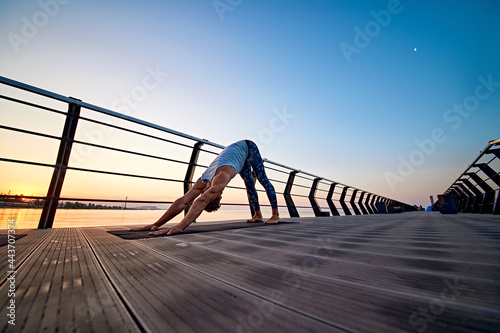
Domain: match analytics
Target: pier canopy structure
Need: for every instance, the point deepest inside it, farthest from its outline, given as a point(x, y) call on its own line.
point(82, 128)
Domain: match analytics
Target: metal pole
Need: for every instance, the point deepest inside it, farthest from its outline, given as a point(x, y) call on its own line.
point(360, 202)
point(292, 210)
point(495, 177)
point(353, 204)
point(342, 201)
point(367, 203)
point(489, 194)
point(372, 204)
point(55, 187)
point(470, 198)
point(188, 180)
point(316, 208)
point(478, 198)
point(333, 209)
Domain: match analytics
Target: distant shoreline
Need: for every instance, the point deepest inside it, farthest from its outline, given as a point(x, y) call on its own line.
point(26, 207)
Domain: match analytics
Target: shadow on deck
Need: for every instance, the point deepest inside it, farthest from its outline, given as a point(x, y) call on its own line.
point(411, 272)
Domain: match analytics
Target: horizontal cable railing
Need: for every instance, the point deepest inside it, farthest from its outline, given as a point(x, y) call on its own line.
point(477, 189)
point(291, 184)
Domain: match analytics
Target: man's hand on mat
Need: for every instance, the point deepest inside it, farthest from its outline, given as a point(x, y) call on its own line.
point(148, 227)
point(168, 231)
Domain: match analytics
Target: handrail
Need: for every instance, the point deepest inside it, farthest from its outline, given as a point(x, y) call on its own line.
point(89, 106)
point(481, 154)
point(473, 193)
point(67, 139)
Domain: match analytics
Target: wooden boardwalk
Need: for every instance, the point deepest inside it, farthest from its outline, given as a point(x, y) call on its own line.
point(411, 272)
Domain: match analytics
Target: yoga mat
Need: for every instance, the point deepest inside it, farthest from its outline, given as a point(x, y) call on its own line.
point(197, 228)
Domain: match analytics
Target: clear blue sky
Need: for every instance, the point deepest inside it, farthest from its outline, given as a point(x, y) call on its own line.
point(342, 89)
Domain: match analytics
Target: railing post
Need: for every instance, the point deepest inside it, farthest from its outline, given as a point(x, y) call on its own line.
point(478, 198)
point(188, 180)
point(495, 177)
point(496, 152)
point(457, 198)
point(372, 204)
point(489, 194)
point(492, 174)
point(469, 202)
point(496, 211)
point(329, 197)
point(342, 201)
point(367, 203)
point(464, 199)
point(353, 203)
point(460, 197)
point(292, 210)
point(360, 202)
point(55, 187)
point(316, 208)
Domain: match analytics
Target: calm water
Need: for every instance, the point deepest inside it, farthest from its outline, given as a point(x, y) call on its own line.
point(26, 218)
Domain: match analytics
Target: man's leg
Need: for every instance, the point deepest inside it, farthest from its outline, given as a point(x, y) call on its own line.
point(246, 174)
point(258, 166)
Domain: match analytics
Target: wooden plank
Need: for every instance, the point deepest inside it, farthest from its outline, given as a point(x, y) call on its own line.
point(169, 296)
point(61, 288)
point(23, 246)
point(376, 276)
point(28, 283)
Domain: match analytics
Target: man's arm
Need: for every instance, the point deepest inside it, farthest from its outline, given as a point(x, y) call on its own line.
point(218, 184)
point(177, 206)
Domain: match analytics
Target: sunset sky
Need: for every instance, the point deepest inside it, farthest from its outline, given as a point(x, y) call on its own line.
point(394, 97)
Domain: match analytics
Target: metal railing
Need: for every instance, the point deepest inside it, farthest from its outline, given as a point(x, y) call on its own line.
point(321, 195)
point(477, 188)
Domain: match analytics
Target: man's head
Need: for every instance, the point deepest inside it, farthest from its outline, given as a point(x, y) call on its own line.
point(213, 205)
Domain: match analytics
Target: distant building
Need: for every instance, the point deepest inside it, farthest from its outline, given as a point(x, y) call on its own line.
point(146, 208)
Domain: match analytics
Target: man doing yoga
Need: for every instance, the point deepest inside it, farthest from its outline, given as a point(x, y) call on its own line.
point(240, 157)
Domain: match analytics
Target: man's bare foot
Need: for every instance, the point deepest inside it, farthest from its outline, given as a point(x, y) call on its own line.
point(256, 218)
point(273, 220)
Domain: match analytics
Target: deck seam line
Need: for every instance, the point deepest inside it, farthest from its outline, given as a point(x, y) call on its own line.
point(140, 326)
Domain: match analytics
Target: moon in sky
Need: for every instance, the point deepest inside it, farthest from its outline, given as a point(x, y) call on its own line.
point(415, 49)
